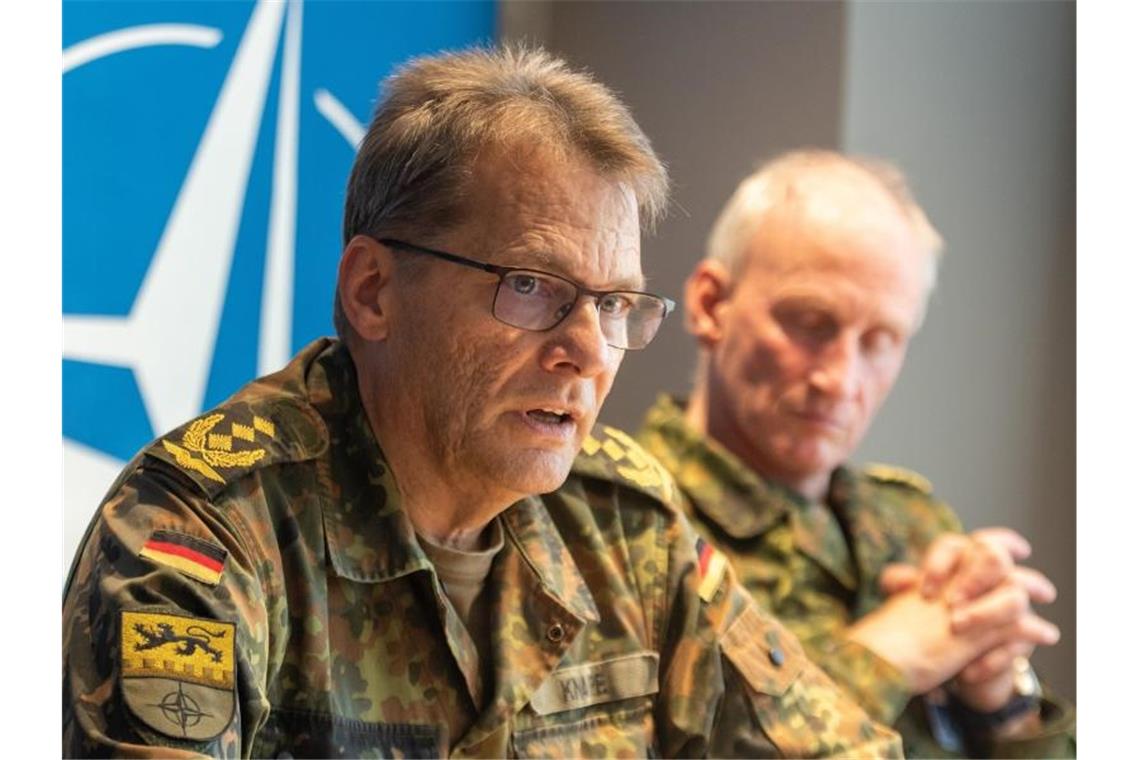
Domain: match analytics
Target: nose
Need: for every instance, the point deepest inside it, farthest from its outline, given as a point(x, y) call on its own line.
point(577, 344)
point(835, 373)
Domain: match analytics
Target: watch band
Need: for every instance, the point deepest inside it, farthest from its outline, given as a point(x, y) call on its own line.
point(979, 727)
point(978, 721)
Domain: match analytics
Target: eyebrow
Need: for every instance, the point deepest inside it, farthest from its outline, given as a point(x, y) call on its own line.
point(545, 261)
point(814, 301)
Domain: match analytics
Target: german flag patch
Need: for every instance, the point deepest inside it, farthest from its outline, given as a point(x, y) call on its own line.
point(198, 559)
point(711, 565)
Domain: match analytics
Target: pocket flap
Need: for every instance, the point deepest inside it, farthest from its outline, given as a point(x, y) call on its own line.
point(766, 654)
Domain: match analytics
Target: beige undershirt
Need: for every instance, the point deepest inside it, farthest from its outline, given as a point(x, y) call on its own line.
point(464, 575)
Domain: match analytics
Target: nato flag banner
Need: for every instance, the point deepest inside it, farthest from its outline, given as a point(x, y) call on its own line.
point(205, 151)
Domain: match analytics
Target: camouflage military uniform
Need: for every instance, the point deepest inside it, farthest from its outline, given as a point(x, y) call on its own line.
point(251, 586)
point(816, 567)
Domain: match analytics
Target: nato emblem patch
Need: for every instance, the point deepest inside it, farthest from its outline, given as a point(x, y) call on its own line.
point(177, 673)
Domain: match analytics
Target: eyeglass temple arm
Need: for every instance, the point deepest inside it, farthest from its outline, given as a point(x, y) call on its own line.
point(391, 243)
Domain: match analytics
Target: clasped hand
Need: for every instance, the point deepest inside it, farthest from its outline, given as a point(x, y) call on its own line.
point(963, 616)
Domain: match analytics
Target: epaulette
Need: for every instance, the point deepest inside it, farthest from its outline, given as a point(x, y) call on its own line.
point(225, 444)
point(611, 455)
point(890, 474)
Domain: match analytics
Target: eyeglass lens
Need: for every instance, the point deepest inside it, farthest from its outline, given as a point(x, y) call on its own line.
point(536, 301)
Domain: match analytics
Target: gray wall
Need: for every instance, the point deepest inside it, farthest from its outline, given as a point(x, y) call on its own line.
point(975, 101)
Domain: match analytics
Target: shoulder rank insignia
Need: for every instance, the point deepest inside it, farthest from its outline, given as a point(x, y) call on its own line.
point(885, 473)
point(199, 559)
point(711, 564)
point(177, 673)
point(609, 451)
point(204, 451)
point(223, 445)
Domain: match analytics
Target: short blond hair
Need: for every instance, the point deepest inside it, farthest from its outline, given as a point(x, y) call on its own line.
point(771, 184)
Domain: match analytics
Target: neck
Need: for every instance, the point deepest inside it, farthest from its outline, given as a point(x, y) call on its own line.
point(723, 429)
point(442, 505)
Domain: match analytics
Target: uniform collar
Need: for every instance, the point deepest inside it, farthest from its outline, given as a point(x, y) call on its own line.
point(744, 506)
point(866, 509)
point(719, 485)
point(367, 532)
point(534, 534)
point(369, 536)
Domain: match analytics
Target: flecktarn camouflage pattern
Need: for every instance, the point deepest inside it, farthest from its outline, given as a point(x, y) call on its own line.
point(816, 567)
point(252, 587)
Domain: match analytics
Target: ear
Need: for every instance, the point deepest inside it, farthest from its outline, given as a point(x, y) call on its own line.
point(706, 297)
point(364, 286)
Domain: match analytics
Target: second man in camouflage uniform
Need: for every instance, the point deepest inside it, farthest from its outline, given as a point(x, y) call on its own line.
point(817, 275)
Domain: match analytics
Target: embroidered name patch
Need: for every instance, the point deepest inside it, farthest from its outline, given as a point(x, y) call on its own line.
point(177, 673)
point(711, 565)
point(201, 560)
point(583, 685)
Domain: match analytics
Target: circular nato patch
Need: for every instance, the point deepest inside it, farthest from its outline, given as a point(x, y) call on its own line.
point(177, 673)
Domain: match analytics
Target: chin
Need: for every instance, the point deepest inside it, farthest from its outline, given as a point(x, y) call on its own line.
point(814, 457)
point(536, 471)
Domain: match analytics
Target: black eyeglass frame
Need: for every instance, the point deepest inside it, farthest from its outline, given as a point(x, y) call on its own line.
point(503, 271)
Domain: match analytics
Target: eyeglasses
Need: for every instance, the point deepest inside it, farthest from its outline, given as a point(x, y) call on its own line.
point(531, 299)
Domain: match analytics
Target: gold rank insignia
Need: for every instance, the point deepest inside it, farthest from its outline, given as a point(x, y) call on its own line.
point(204, 449)
point(177, 673)
point(631, 462)
point(886, 473)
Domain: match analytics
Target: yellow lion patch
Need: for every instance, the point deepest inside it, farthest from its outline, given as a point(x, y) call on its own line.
point(177, 672)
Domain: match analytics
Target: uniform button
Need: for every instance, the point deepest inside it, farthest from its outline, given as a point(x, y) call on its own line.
point(556, 633)
point(776, 655)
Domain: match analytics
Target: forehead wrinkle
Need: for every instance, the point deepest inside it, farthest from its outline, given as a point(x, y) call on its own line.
point(540, 214)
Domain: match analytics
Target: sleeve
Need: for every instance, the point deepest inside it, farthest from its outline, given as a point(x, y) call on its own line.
point(164, 627)
point(1057, 736)
point(876, 684)
point(737, 683)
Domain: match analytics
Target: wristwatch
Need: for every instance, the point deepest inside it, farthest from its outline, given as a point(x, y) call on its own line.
point(1026, 697)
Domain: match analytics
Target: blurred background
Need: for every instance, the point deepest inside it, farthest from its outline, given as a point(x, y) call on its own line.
point(206, 147)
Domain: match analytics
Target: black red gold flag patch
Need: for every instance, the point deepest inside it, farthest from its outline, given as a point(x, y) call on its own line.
point(191, 556)
point(711, 564)
point(177, 672)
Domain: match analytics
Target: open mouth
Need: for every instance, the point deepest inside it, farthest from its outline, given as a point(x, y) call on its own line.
point(550, 416)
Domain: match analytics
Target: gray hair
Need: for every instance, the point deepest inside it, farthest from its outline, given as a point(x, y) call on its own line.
point(437, 114)
point(771, 185)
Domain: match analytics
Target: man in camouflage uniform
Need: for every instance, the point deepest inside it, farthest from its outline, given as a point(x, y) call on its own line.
point(354, 556)
point(818, 273)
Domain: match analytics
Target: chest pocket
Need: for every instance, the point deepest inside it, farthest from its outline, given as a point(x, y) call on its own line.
point(600, 709)
point(801, 711)
point(301, 733)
